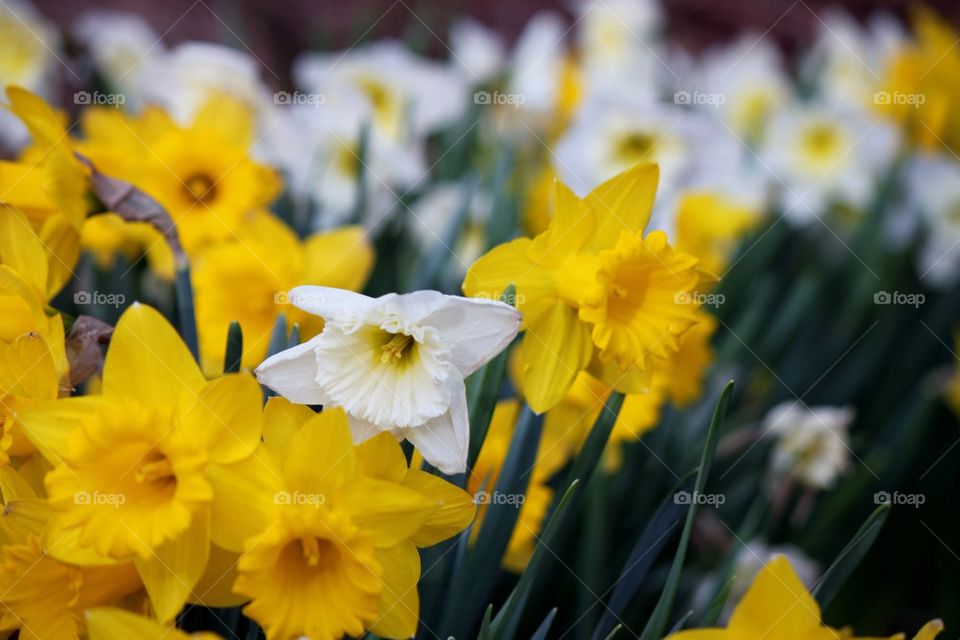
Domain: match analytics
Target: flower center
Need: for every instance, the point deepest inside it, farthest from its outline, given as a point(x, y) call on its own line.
point(156, 472)
point(316, 551)
point(200, 188)
point(394, 349)
point(634, 147)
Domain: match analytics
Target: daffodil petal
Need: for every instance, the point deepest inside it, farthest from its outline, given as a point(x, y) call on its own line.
point(321, 454)
point(777, 604)
point(293, 374)
point(48, 424)
point(382, 458)
point(215, 587)
point(107, 623)
point(390, 512)
point(244, 498)
point(443, 441)
point(327, 301)
point(400, 602)
point(477, 330)
point(623, 203)
point(282, 419)
point(556, 348)
point(455, 512)
point(226, 416)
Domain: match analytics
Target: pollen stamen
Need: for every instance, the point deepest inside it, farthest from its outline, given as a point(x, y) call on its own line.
point(311, 550)
point(153, 471)
point(394, 349)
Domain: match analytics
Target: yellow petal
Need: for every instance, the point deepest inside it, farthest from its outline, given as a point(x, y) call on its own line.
point(703, 634)
point(62, 242)
point(176, 566)
point(321, 454)
point(556, 347)
point(22, 185)
point(390, 512)
point(455, 512)
point(512, 263)
point(227, 115)
point(46, 126)
point(381, 458)
point(400, 602)
point(342, 258)
point(569, 229)
point(930, 630)
point(107, 623)
point(21, 249)
point(226, 416)
point(147, 354)
point(623, 203)
point(777, 604)
point(47, 424)
point(282, 419)
point(215, 587)
point(244, 498)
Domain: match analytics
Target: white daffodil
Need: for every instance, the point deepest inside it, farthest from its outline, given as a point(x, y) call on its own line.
point(120, 43)
point(823, 155)
point(476, 51)
point(433, 213)
point(28, 59)
point(395, 363)
point(933, 188)
point(811, 442)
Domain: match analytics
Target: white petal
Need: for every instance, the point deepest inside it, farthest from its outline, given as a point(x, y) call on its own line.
point(329, 302)
point(476, 330)
point(293, 374)
point(362, 430)
point(444, 441)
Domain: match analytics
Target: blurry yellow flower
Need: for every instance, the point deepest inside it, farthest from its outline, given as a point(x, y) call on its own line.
point(592, 284)
point(329, 530)
point(131, 466)
point(247, 280)
point(483, 480)
point(202, 174)
point(709, 227)
point(537, 203)
point(920, 89)
point(682, 374)
point(116, 624)
point(778, 605)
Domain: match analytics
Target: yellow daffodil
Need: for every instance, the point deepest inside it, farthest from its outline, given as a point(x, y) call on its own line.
point(132, 466)
point(395, 363)
point(41, 596)
point(202, 174)
point(107, 623)
point(329, 530)
point(709, 226)
point(592, 284)
point(920, 91)
point(483, 479)
point(778, 605)
point(247, 280)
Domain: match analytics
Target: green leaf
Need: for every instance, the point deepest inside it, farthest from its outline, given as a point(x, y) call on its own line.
point(234, 351)
point(508, 618)
point(658, 619)
point(851, 555)
point(188, 318)
point(588, 459)
point(712, 614)
point(544, 628)
point(483, 388)
point(442, 249)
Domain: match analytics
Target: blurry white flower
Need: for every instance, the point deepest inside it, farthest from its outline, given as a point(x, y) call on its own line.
point(435, 211)
point(395, 363)
point(742, 84)
point(28, 58)
point(318, 148)
point(537, 63)
point(120, 43)
point(404, 95)
point(811, 444)
point(933, 189)
point(823, 155)
point(183, 79)
point(477, 51)
point(847, 62)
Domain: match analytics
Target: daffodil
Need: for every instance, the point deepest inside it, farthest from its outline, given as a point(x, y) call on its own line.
point(709, 226)
point(483, 479)
point(330, 530)
point(201, 173)
point(395, 363)
point(107, 623)
point(593, 288)
point(132, 466)
point(247, 280)
point(811, 442)
point(42, 596)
